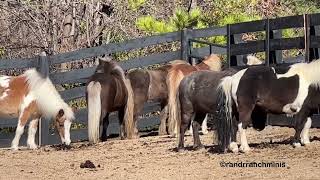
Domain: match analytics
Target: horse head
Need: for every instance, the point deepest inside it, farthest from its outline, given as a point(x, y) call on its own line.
point(213, 61)
point(62, 122)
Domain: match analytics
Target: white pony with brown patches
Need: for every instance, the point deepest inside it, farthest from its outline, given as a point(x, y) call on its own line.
point(30, 96)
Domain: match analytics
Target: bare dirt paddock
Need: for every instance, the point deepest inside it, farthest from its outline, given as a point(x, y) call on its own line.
point(153, 158)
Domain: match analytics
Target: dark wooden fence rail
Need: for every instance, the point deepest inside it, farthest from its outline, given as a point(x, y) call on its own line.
point(235, 49)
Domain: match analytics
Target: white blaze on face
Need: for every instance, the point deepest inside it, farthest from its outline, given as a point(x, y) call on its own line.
point(4, 83)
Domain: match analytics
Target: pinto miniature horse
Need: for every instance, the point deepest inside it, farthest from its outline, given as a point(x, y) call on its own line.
point(262, 90)
point(175, 75)
point(108, 90)
point(150, 85)
point(197, 96)
point(30, 96)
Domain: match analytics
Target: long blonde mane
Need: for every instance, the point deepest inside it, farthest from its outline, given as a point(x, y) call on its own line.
point(214, 62)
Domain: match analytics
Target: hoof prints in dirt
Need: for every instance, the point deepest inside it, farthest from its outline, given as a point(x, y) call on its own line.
point(88, 164)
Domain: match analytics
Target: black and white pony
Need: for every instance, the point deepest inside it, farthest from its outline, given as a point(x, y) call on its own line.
point(197, 96)
point(253, 92)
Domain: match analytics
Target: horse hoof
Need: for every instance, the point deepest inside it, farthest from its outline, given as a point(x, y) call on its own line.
point(179, 149)
point(205, 132)
point(306, 144)
point(296, 144)
point(14, 148)
point(233, 147)
point(32, 146)
point(245, 149)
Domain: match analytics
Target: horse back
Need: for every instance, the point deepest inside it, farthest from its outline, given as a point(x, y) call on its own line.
point(198, 90)
point(140, 81)
point(260, 85)
point(12, 92)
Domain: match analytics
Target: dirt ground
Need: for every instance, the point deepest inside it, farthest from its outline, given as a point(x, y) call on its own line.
point(153, 158)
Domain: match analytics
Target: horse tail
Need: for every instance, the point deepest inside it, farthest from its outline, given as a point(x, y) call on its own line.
point(128, 115)
point(178, 113)
point(173, 83)
point(94, 110)
point(224, 118)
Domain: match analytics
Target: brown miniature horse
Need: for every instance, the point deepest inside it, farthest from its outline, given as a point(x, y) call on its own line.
point(175, 75)
point(108, 90)
point(150, 85)
point(30, 96)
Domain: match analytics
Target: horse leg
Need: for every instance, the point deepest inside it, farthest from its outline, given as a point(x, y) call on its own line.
point(305, 132)
point(301, 123)
point(204, 127)
point(23, 118)
point(185, 121)
point(121, 123)
point(233, 146)
point(105, 124)
point(33, 125)
point(163, 119)
point(199, 117)
point(245, 111)
point(190, 131)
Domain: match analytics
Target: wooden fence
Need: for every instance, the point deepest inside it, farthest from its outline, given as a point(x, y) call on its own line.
point(273, 44)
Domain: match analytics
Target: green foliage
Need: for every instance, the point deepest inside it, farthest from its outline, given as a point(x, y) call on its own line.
point(135, 4)
point(302, 6)
point(181, 19)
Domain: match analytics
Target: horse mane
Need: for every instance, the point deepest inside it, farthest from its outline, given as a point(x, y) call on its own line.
point(47, 97)
point(111, 67)
point(213, 62)
point(253, 60)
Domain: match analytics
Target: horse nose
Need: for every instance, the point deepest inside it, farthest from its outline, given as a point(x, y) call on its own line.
point(293, 109)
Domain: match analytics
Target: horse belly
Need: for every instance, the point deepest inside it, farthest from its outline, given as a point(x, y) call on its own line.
point(8, 109)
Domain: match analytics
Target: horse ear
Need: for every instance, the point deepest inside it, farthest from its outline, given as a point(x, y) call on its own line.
point(61, 113)
point(74, 109)
point(100, 61)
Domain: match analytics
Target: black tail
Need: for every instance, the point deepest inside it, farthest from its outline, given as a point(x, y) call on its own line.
point(224, 114)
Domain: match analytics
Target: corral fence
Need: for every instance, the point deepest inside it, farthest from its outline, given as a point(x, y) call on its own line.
point(273, 44)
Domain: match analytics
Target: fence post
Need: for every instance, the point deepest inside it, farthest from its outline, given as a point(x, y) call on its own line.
point(306, 37)
point(185, 45)
point(43, 68)
point(228, 45)
point(267, 42)
point(276, 56)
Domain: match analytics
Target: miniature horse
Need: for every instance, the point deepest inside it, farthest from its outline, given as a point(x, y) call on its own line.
point(262, 90)
point(30, 96)
point(108, 90)
point(197, 96)
point(150, 85)
point(175, 75)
